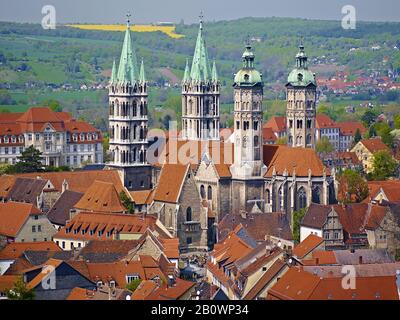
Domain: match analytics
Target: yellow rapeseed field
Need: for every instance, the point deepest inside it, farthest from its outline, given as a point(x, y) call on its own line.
point(168, 30)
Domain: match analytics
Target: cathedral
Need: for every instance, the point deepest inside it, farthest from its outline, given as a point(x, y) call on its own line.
point(237, 174)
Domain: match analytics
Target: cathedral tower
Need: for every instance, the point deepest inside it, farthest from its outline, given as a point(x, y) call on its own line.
point(200, 95)
point(248, 168)
point(301, 104)
point(128, 119)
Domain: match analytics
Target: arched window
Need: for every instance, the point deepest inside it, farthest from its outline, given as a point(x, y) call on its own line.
point(268, 196)
point(202, 192)
point(281, 199)
point(189, 214)
point(209, 193)
point(316, 195)
point(301, 198)
point(256, 142)
point(308, 139)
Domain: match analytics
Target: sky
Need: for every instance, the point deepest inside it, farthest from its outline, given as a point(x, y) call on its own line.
point(147, 11)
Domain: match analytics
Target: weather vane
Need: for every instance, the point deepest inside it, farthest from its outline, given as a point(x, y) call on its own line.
point(201, 19)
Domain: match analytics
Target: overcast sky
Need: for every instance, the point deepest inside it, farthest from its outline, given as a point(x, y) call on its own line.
point(145, 11)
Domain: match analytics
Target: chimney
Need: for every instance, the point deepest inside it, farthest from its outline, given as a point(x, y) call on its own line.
point(317, 261)
point(171, 281)
point(360, 260)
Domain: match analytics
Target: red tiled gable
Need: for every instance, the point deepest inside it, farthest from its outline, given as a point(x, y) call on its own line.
point(268, 135)
point(174, 292)
point(101, 197)
point(352, 217)
point(277, 124)
point(13, 216)
point(299, 160)
point(390, 188)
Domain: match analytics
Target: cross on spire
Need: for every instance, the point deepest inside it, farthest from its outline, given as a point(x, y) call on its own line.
point(128, 20)
point(201, 16)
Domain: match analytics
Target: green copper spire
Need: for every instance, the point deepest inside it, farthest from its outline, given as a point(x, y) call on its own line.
point(186, 75)
point(201, 71)
point(214, 77)
point(127, 70)
point(301, 76)
point(142, 75)
point(113, 74)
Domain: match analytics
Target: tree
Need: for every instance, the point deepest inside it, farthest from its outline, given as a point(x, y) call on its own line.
point(132, 286)
point(368, 117)
point(29, 161)
point(20, 291)
point(324, 146)
point(384, 165)
point(384, 131)
point(357, 136)
point(352, 187)
point(53, 104)
point(282, 140)
point(126, 201)
point(397, 121)
point(297, 217)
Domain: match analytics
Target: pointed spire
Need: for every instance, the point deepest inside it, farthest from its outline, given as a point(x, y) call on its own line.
point(142, 75)
point(186, 75)
point(214, 77)
point(127, 70)
point(113, 74)
point(201, 70)
point(301, 57)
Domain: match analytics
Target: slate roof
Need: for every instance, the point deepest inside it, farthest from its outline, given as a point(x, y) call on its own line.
point(26, 190)
point(257, 225)
point(60, 212)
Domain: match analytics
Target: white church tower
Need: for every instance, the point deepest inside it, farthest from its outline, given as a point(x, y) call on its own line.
point(128, 120)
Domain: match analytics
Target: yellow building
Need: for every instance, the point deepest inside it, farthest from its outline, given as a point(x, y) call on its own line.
point(365, 150)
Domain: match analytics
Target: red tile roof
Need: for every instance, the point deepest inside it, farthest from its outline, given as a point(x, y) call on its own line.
point(268, 135)
point(277, 124)
point(350, 128)
point(297, 284)
point(300, 160)
point(101, 197)
point(13, 216)
point(79, 181)
point(374, 145)
point(174, 292)
point(323, 121)
point(309, 244)
point(16, 249)
point(7, 282)
point(105, 222)
point(171, 182)
point(80, 294)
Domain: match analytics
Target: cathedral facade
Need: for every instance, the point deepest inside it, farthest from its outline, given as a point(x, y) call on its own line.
point(231, 175)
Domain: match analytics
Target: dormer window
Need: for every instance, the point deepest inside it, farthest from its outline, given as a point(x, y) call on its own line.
point(74, 137)
point(95, 136)
point(13, 139)
point(89, 137)
point(6, 139)
point(82, 137)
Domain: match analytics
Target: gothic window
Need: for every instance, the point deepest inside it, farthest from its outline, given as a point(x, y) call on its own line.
point(134, 106)
point(202, 192)
point(255, 125)
point(301, 198)
point(290, 124)
point(308, 140)
point(237, 125)
point(309, 123)
point(256, 141)
point(316, 195)
point(298, 140)
point(281, 199)
point(290, 140)
point(209, 193)
point(268, 196)
point(189, 214)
